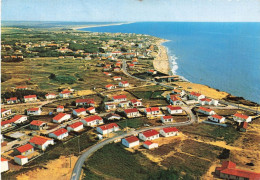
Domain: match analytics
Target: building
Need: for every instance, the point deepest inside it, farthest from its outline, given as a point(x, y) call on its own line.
point(34, 111)
point(85, 102)
point(206, 111)
point(174, 109)
point(5, 112)
point(166, 78)
point(79, 112)
point(228, 170)
point(112, 117)
point(38, 125)
point(207, 101)
point(12, 100)
point(5, 124)
point(117, 78)
point(108, 128)
point(136, 103)
point(179, 92)
point(167, 119)
point(238, 117)
point(59, 134)
point(174, 99)
point(4, 165)
point(110, 86)
point(24, 150)
point(17, 119)
point(60, 109)
point(149, 135)
point(169, 131)
point(152, 111)
point(21, 160)
point(91, 110)
point(65, 94)
point(124, 104)
point(150, 145)
point(131, 112)
point(92, 121)
point(41, 142)
point(195, 96)
point(61, 117)
point(130, 141)
point(50, 96)
point(77, 126)
point(123, 84)
point(119, 98)
point(110, 106)
point(30, 98)
point(216, 118)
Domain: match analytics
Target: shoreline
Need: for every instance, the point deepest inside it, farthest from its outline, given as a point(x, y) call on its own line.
point(99, 25)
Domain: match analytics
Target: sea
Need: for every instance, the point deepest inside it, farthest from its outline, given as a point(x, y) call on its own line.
point(225, 56)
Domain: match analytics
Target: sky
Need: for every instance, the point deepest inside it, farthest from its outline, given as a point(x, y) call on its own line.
point(131, 10)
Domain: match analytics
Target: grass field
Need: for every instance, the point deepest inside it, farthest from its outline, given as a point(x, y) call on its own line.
point(132, 123)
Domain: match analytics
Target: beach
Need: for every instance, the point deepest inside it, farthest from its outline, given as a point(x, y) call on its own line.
point(99, 25)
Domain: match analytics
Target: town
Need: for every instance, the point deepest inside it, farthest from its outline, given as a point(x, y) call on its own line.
point(65, 91)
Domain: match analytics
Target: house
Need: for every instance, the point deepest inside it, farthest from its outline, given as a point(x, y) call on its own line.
point(84, 102)
point(206, 111)
point(150, 145)
point(34, 111)
point(5, 124)
point(119, 98)
point(123, 84)
point(92, 121)
point(24, 150)
point(133, 112)
point(238, 117)
point(4, 165)
point(21, 160)
point(117, 69)
point(30, 98)
point(60, 109)
point(130, 141)
point(228, 170)
point(195, 96)
point(124, 104)
point(50, 96)
point(110, 106)
point(136, 103)
point(169, 131)
point(131, 66)
point(79, 112)
point(59, 134)
point(178, 92)
point(216, 118)
point(167, 119)
point(117, 78)
point(174, 99)
point(21, 88)
point(174, 109)
point(111, 117)
point(107, 73)
point(91, 110)
point(77, 126)
point(38, 125)
point(151, 72)
point(110, 86)
point(108, 128)
point(41, 142)
point(12, 100)
point(65, 94)
point(5, 112)
point(17, 119)
point(152, 111)
point(243, 126)
point(61, 117)
point(149, 135)
point(207, 101)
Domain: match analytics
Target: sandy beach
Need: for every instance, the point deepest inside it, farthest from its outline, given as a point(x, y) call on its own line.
point(99, 25)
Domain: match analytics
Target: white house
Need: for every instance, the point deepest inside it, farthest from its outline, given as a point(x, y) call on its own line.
point(149, 135)
point(83, 102)
point(174, 100)
point(92, 121)
point(124, 104)
point(174, 109)
point(5, 112)
point(195, 96)
point(217, 118)
point(34, 111)
point(108, 128)
point(12, 100)
point(116, 78)
point(61, 117)
point(130, 141)
point(111, 117)
point(110, 86)
point(167, 119)
point(110, 106)
point(50, 96)
point(136, 102)
point(207, 101)
point(30, 98)
point(5, 124)
point(65, 94)
point(60, 109)
point(150, 145)
point(178, 92)
point(123, 84)
point(17, 119)
point(38, 125)
point(152, 111)
point(169, 131)
point(91, 110)
point(79, 112)
point(4, 165)
point(77, 126)
point(206, 111)
point(21, 160)
point(59, 134)
point(131, 112)
point(238, 117)
point(119, 98)
point(41, 142)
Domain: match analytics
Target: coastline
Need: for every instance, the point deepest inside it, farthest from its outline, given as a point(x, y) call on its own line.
point(99, 25)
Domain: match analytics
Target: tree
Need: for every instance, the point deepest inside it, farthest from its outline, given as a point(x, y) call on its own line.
point(52, 76)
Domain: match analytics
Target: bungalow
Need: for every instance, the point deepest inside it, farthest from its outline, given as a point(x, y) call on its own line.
point(59, 134)
point(117, 78)
point(65, 93)
point(17, 119)
point(151, 72)
point(130, 141)
point(41, 142)
point(178, 92)
point(107, 73)
point(119, 98)
point(111, 117)
point(12, 100)
point(206, 111)
point(167, 119)
point(238, 117)
point(5, 124)
point(131, 112)
point(195, 96)
point(206, 101)
point(92, 121)
point(152, 111)
point(60, 109)
point(21, 160)
point(79, 112)
point(83, 102)
point(110, 106)
point(4, 165)
point(61, 117)
point(174, 100)
point(50, 96)
point(5, 112)
point(131, 66)
point(38, 125)
point(123, 84)
point(174, 109)
point(149, 135)
point(108, 128)
point(91, 110)
point(169, 131)
point(116, 69)
point(110, 86)
point(24, 150)
point(30, 98)
point(124, 104)
point(136, 103)
point(150, 145)
point(77, 126)
point(21, 87)
point(34, 111)
point(217, 118)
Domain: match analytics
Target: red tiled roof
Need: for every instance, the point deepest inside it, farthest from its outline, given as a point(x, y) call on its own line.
point(155, 109)
point(33, 109)
point(108, 126)
point(59, 116)
point(167, 117)
point(244, 125)
point(131, 110)
point(135, 100)
point(195, 94)
point(170, 129)
point(3, 110)
point(21, 87)
point(242, 173)
point(90, 108)
point(79, 110)
point(88, 101)
point(66, 92)
point(174, 107)
point(24, 148)
point(131, 139)
point(5, 122)
point(39, 140)
point(175, 98)
point(241, 115)
point(206, 99)
point(148, 143)
point(217, 116)
point(109, 85)
point(205, 109)
point(116, 77)
point(30, 96)
point(12, 99)
point(15, 118)
point(119, 97)
point(92, 118)
point(124, 82)
point(76, 124)
point(20, 156)
point(60, 132)
point(150, 133)
point(60, 107)
point(37, 123)
point(3, 159)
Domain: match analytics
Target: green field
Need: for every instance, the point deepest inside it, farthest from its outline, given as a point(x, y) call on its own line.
point(132, 123)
